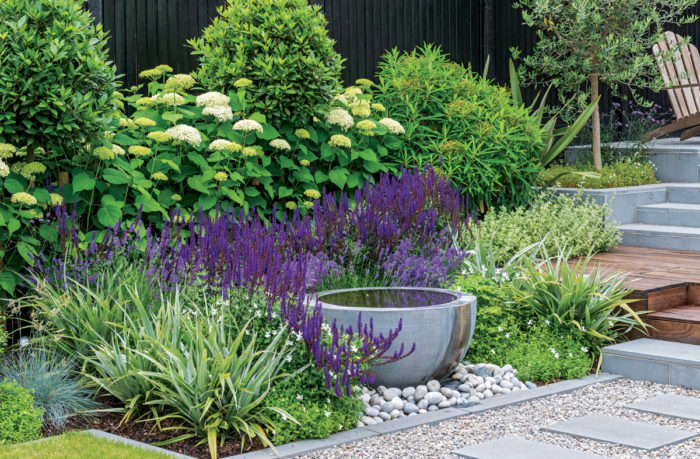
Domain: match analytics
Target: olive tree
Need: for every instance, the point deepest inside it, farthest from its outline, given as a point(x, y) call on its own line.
point(583, 44)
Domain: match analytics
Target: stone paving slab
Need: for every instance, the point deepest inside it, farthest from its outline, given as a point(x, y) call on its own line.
point(677, 406)
point(621, 431)
point(517, 448)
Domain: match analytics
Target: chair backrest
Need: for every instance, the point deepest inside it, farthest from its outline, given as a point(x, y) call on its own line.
point(682, 69)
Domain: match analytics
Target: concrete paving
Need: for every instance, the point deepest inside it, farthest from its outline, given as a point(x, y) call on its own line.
point(672, 405)
point(620, 431)
point(517, 448)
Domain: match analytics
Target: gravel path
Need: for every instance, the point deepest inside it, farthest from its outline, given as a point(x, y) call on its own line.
point(524, 421)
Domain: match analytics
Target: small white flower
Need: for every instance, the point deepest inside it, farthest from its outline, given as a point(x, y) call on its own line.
point(493, 351)
point(507, 334)
point(300, 397)
point(546, 321)
point(267, 334)
point(584, 349)
point(327, 413)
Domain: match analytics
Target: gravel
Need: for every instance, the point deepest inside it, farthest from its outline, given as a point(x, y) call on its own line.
point(524, 421)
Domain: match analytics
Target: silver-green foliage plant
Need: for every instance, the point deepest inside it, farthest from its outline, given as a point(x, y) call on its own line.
point(186, 362)
point(557, 220)
point(282, 46)
point(56, 81)
point(462, 125)
point(585, 43)
point(578, 296)
point(57, 389)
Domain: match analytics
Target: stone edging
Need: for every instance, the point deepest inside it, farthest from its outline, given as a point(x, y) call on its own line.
point(137, 444)
point(396, 425)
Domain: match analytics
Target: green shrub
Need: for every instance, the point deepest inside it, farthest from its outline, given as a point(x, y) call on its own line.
point(282, 46)
point(56, 82)
point(558, 221)
point(618, 174)
point(579, 298)
point(463, 125)
point(56, 95)
point(20, 421)
point(57, 391)
point(545, 352)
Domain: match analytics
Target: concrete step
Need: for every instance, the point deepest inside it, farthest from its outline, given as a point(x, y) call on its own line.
point(669, 213)
point(661, 236)
point(654, 360)
point(685, 193)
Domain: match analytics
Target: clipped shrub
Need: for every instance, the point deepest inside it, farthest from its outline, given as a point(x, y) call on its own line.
point(56, 96)
point(56, 389)
point(620, 173)
point(56, 83)
point(463, 125)
point(282, 46)
point(558, 221)
point(20, 421)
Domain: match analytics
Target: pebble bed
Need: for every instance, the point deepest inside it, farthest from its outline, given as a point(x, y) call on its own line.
point(525, 420)
point(467, 385)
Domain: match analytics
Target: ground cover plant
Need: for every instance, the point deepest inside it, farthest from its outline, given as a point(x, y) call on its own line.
point(282, 47)
point(463, 125)
point(625, 172)
point(558, 221)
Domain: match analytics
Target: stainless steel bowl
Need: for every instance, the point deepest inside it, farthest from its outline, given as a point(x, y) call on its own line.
point(442, 332)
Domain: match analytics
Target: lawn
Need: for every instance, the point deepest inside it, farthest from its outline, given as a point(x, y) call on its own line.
point(75, 444)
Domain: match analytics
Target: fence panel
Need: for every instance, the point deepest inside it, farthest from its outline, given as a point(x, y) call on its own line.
point(145, 33)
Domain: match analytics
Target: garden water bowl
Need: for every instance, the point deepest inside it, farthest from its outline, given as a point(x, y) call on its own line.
point(440, 322)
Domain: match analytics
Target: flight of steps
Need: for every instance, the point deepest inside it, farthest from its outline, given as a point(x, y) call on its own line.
point(674, 224)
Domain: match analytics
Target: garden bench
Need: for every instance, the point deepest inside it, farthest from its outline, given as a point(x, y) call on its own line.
point(683, 87)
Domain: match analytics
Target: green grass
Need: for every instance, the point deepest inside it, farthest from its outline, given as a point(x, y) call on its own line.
point(76, 445)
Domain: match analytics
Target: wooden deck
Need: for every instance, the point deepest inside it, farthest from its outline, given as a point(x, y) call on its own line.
point(666, 283)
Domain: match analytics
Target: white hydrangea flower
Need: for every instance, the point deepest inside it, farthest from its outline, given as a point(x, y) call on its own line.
point(247, 125)
point(220, 112)
point(340, 117)
point(393, 126)
point(4, 169)
point(219, 144)
point(185, 133)
point(280, 144)
point(209, 99)
point(171, 98)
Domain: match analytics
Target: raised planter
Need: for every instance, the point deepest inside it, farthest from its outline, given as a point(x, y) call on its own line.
point(440, 323)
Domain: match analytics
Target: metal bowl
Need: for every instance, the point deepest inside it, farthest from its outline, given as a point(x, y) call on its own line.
point(441, 331)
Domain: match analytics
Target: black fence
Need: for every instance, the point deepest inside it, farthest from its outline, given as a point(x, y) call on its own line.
point(145, 33)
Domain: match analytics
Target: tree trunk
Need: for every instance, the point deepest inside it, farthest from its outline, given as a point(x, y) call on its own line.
point(597, 160)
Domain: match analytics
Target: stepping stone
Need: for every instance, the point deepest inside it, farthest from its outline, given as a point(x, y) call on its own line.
point(676, 406)
point(621, 431)
point(517, 448)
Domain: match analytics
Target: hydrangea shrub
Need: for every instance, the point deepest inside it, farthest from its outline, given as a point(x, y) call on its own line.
point(281, 47)
point(180, 150)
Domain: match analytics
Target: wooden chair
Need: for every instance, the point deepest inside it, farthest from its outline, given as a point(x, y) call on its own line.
point(681, 77)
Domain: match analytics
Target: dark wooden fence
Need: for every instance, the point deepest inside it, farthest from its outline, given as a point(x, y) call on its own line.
point(145, 33)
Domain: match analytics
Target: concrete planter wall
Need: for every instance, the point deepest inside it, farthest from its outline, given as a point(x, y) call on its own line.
point(623, 201)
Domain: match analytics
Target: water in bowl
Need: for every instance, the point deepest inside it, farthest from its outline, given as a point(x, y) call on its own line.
point(387, 298)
